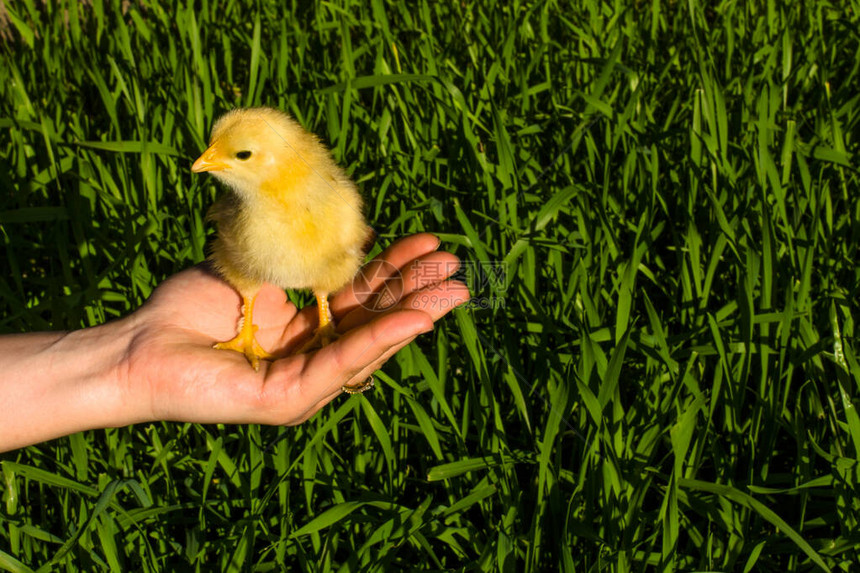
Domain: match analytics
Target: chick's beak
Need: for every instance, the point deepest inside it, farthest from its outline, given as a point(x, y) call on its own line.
point(209, 161)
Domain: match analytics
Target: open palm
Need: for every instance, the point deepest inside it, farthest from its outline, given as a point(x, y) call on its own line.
point(177, 375)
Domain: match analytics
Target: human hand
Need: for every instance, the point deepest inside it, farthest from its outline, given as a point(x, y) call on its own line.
point(173, 373)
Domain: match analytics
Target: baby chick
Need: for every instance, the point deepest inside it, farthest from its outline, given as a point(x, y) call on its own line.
point(292, 217)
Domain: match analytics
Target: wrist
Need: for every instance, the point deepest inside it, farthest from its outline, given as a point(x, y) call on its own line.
point(96, 362)
point(59, 383)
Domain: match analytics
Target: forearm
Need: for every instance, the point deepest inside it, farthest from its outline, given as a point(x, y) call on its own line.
point(57, 383)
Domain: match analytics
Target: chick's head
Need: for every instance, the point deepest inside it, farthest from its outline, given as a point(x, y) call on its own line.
point(251, 147)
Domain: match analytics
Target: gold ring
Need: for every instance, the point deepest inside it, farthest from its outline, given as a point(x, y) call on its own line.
point(364, 387)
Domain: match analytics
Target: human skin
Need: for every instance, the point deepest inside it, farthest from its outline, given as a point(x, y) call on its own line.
point(158, 362)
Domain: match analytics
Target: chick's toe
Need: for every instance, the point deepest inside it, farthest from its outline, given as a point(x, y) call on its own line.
point(246, 341)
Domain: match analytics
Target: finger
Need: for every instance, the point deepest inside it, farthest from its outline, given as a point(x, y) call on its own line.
point(371, 277)
point(307, 382)
point(419, 273)
point(329, 368)
point(384, 266)
point(356, 380)
point(436, 300)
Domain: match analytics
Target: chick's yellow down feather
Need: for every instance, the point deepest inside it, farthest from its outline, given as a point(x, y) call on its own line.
point(292, 217)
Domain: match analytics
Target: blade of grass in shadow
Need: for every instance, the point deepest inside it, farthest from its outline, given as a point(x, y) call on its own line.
point(765, 512)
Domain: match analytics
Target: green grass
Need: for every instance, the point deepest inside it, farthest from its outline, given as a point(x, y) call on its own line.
point(657, 202)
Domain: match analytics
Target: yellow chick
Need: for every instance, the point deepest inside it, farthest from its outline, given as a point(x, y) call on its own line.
point(292, 217)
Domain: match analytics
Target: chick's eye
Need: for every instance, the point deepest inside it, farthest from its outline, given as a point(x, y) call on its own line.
point(243, 155)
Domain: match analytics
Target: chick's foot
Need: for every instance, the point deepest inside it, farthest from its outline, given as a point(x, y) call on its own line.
point(322, 336)
point(247, 345)
point(325, 332)
point(246, 342)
